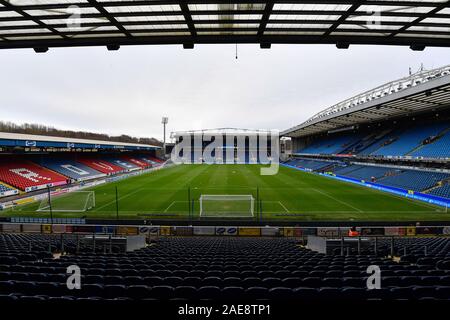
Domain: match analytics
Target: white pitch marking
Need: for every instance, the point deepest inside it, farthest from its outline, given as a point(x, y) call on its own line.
point(120, 198)
point(170, 205)
point(331, 197)
point(284, 207)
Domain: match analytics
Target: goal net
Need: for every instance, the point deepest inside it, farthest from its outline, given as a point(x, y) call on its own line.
point(227, 206)
point(75, 201)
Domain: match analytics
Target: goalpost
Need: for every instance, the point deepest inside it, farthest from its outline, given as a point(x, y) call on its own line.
point(226, 206)
point(75, 201)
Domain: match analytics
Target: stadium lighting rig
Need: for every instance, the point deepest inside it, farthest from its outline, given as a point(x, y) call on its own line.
point(164, 121)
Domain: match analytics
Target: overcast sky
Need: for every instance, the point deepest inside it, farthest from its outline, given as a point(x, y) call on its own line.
point(128, 91)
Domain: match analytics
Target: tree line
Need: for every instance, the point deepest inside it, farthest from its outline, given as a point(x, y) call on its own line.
point(39, 129)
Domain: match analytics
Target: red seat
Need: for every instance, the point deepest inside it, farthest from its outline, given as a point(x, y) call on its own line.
point(24, 174)
point(100, 165)
point(136, 161)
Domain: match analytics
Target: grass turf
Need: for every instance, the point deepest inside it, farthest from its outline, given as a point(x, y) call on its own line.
point(289, 195)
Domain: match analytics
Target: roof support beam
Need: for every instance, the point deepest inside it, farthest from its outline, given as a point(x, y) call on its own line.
point(100, 8)
point(27, 16)
point(422, 101)
point(228, 12)
point(344, 17)
point(265, 18)
point(188, 17)
point(128, 3)
point(419, 19)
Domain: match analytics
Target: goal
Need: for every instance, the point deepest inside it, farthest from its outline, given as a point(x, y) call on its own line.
point(226, 206)
point(75, 201)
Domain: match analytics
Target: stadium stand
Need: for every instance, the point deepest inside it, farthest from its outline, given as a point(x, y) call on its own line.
point(422, 140)
point(136, 161)
point(28, 176)
point(101, 165)
point(366, 172)
point(309, 164)
point(129, 166)
point(154, 159)
point(439, 148)
point(6, 190)
point(368, 144)
point(221, 269)
point(414, 180)
point(71, 169)
point(347, 169)
point(390, 176)
point(332, 145)
point(402, 142)
point(443, 191)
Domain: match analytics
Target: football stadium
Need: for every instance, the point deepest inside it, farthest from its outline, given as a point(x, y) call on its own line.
point(350, 204)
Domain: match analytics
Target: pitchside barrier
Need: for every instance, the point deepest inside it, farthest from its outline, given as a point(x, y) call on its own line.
point(269, 231)
point(442, 202)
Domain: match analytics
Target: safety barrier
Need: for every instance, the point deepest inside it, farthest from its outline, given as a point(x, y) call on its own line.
point(269, 231)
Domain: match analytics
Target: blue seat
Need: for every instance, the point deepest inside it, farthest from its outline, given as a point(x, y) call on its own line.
point(114, 291)
point(91, 290)
point(209, 292)
point(305, 293)
point(162, 292)
point(232, 293)
point(280, 293)
point(256, 293)
point(312, 282)
point(138, 292)
point(328, 293)
point(185, 292)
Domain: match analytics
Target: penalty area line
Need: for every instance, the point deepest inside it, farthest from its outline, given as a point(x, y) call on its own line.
point(173, 202)
point(284, 207)
point(170, 206)
point(343, 202)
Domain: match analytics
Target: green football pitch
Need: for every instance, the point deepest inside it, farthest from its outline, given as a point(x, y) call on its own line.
point(289, 195)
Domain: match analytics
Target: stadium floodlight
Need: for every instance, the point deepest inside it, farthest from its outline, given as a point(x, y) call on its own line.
point(226, 206)
point(164, 121)
point(75, 201)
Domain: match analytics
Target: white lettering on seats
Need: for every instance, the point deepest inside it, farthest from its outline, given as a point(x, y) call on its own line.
point(104, 166)
point(28, 174)
point(77, 170)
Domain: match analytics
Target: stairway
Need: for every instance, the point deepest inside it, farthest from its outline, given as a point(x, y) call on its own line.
point(437, 185)
point(328, 168)
point(392, 175)
point(440, 135)
point(376, 139)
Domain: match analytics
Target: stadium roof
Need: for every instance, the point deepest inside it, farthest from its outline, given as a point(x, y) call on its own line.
point(29, 140)
point(420, 92)
point(40, 24)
